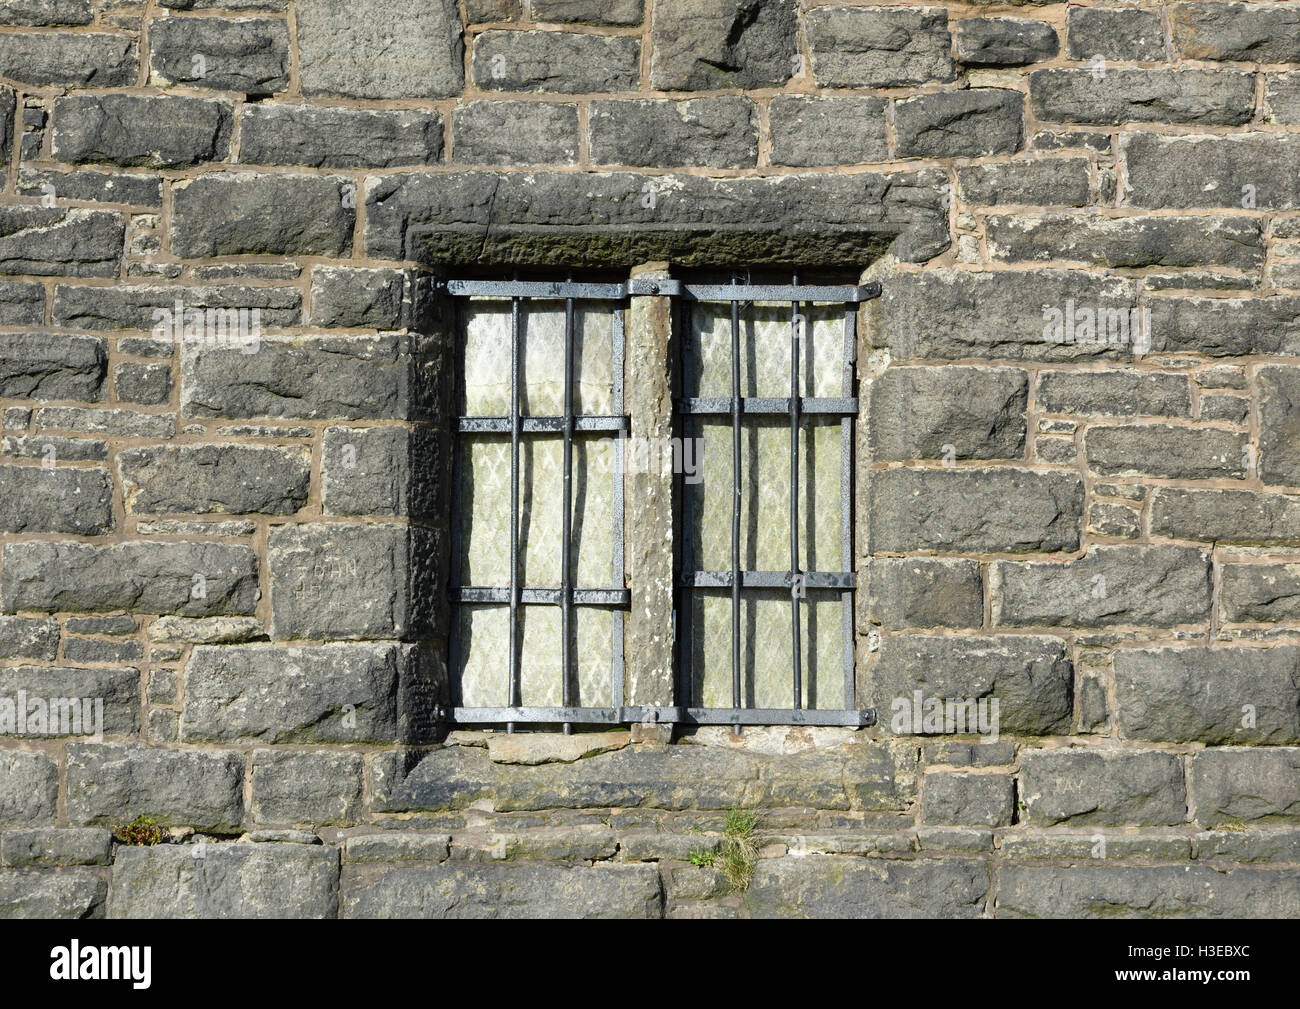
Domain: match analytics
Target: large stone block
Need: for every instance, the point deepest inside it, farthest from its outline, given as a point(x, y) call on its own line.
point(960, 124)
point(1246, 32)
point(214, 478)
point(461, 890)
point(382, 471)
point(46, 13)
point(266, 880)
point(596, 12)
point(879, 47)
point(808, 131)
point(1124, 35)
point(1209, 695)
point(1114, 393)
point(516, 133)
point(404, 49)
point(560, 62)
point(193, 579)
point(67, 701)
point(92, 186)
point(948, 413)
point(1226, 326)
point(70, 59)
point(346, 296)
point(45, 847)
point(246, 55)
point(1201, 97)
point(1189, 453)
point(56, 241)
point(1004, 42)
point(140, 130)
point(21, 303)
point(704, 45)
point(215, 314)
point(924, 592)
point(973, 510)
point(345, 693)
point(113, 783)
point(1246, 784)
point(24, 638)
point(339, 138)
point(984, 799)
point(1131, 891)
point(1045, 182)
point(336, 580)
point(1161, 586)
point(833, 886)
point(39, 499)
point(242, 213)
point(29, 788)
point(1279, 424)
point(313, 788)
point(77, 894)
point(1030, 678)
point(709, 132)
point(1085, 786)
point(1249, 169)
point(1265, 592)
point(1225, 516)
point(1235, 242)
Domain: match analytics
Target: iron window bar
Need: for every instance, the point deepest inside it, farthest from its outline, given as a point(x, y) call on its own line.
point(795, 407)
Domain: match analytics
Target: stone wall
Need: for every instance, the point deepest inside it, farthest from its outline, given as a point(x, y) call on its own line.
point(238, 549)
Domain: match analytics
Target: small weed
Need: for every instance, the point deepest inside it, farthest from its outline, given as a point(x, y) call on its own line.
point(701, 858)
point(738, 853)
point(1236, 826)
point(142, 830)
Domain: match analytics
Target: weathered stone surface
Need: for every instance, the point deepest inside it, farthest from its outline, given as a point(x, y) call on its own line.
point(29, 788)
point(72, 895)
point(346, 693)
point(461, 890)
point(341, 580)
point(248, 55)
point(1204, 97)
point(195, 579)
point(147, 384)
point(879, 47)
point(623, 218)
point(316, 788)
point(149, 307)
point(864, 776)
point(1124, 35)
point(54, 241)
point(1236, 242)
point(1282, 98)
point(703, 45)
point(21, 303)
point(46, 366)
point(1279, 424)
point(28, 638)
point(397, 846)
point(924, 592)
point(516, 133)
point(46, 13)
point(1096, 844)
point(92, 186)
point(1046, 182)
point(1267, 592)
point(364, 57)
point(381, 471)
point(831, 886)
point(68, 701)
point(973, 510)
point(113, 783)
point(1201, 171)
point(1129, 891)
point(226, 881)
point(1226, 326)
point(987, 799)
point(1114, 393)
point(344, 296)
point(1157, 586)
point(140, 130)
point(242, 213)
point(25, 849)
point(70, 59)
point(713, 132)
point(339, 138)
point(565, 63)
point(808, 131)
point(38, 499)
point(308, 377)
point(955, 124)
point(596, 12)
point(948, 413)
point(1004, 42)
point(950, 314)
point(1246, 783)
point(1031, 679)
point(1249, 846)
point(1087, 786)
point(1165, 450)
point(551, 747)
point(1225, 516)
point(551, 844)
point(162, 480)
point(1209, 695)
point(95, 650)
point(206, 630)
point(1248, 32)
point(123, 423)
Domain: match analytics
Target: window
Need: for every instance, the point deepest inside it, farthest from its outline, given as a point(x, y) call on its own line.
point(761, 609)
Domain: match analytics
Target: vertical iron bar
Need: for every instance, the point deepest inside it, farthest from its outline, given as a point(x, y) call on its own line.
point(514, 698)
point(794, 501)
point(455, 687)
point(566, 533)
point(686, 595)
point(618, 579)
point(735, 505)
point(846, 503)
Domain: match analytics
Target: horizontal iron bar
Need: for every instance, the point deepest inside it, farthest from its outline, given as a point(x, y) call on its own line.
point(667, 715)
point(766, 580)
point(714, 405)
point(581, 597)
point(647, 287)
point(541, 425)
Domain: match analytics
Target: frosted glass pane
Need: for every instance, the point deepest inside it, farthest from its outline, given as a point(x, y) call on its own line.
point(765, 350)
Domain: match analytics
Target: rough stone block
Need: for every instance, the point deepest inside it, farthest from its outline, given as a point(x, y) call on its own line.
point(315, 788)
point(1114, 393)
point(1164, 450)
point(879, 47)
point(163, 480)
point(1004, 42)
point(29, 788)
point(40, 848)
point(1235, 242)
point(230, 312)
point(46, 366)
point(710, 132)
point(1045, 182)
point(948, 413)
point(37, 499)
point(832, 886)
point(1264, 592)
point(1192, 97)
point(56, 241)
point(704, 45)
point(808, 131)
point(924, 592)
point(1246, 784)
point(1245, 32)
point(381, 471)
point(339, 138)
point(345, 296)
point(70, 59)
point(75, 894)
point(1086, 786)
point(1225, 516)
point(1200, 171)
point(1278, 392)
point(516, 133)
point(987, 799)
point(246, 55)
point(69, 701)
point(957, 124)
point(1125, 35)
point(140, 130)
point(560, 62)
